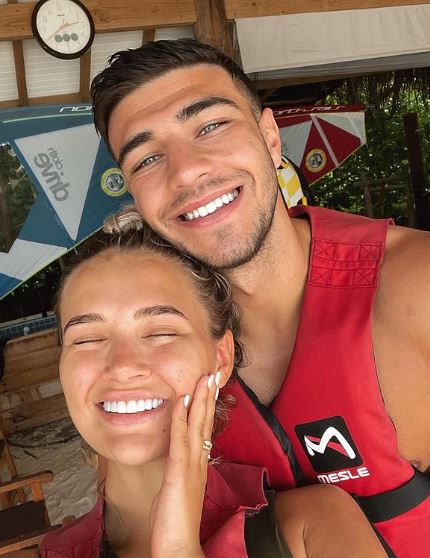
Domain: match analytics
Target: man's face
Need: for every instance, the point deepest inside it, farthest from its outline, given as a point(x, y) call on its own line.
point(199, 166)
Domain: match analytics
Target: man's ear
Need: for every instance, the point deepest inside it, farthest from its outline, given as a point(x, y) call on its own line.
point(272, 138)
point(225, 357)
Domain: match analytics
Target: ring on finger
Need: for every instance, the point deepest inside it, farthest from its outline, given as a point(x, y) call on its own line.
point(207, 445)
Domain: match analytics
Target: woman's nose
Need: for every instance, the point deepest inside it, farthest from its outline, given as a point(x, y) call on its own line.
point(126, 362)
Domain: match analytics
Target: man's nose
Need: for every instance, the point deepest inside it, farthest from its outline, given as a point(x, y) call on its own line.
point(187, 165)
point(126, 362)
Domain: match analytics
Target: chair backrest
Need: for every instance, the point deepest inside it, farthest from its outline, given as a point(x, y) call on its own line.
point(25, 525)
point(6, 456)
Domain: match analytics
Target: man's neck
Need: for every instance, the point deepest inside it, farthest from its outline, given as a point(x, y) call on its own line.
point(269, 290)
point(274, 279)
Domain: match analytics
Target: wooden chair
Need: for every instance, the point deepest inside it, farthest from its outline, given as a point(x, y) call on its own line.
point(6, 461)
point(25, 524)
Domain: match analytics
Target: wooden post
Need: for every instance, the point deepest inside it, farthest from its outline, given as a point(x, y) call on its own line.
point(367, 195)
point(418, 173)
point(212, 27)
point(18, 56)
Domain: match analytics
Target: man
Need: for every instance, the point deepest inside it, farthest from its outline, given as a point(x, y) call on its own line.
point(319, 311)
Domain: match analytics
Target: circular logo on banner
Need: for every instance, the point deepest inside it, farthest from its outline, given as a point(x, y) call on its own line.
point(316, 160)
point(113, 183)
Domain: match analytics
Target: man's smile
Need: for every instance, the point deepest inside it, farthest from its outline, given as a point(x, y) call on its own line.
point(211, 207)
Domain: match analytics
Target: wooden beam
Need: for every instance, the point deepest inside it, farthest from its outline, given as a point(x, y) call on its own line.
point(18, 56)
point(249, 8)
point(21, 82)
point(276, 83)
point(47, 100)
point(212, 27)
point(148, 36)
point(84, 76)
point(418, 171)
point(109, 15)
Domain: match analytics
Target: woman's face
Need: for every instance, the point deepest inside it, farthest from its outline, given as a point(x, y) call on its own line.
point(136, 337)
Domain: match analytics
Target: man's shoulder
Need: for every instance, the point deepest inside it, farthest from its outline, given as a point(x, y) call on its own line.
point(405, 276)
point(407, 253)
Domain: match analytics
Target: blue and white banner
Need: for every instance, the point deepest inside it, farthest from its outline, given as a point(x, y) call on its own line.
point(77, 185)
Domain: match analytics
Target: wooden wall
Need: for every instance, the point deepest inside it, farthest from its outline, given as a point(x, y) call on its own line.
point(30, 390)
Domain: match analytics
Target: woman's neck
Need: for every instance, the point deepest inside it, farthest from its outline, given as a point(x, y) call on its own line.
point(129, 494)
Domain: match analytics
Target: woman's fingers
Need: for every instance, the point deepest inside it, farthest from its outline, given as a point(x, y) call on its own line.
point(192, 423)
point(179, 445)
point(200, 419)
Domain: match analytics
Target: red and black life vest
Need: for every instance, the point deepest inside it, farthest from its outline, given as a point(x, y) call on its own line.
point(328, 424)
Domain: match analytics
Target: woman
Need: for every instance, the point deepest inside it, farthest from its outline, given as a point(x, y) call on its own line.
point(148, 338)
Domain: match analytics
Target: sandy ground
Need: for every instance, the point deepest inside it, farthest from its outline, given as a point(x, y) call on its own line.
point(57, 447)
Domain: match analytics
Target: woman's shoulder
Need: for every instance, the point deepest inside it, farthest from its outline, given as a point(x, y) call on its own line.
point(85, 532)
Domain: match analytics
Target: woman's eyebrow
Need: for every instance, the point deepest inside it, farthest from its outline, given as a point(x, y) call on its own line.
point(157, 310)
point(200, 105)
point(83, 319)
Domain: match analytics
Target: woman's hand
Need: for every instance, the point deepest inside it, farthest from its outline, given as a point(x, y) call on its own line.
point(177, 508)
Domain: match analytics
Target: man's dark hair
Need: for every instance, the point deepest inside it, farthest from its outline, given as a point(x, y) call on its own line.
point(130, 69)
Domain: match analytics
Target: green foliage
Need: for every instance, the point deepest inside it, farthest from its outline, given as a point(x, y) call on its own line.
point(385, 155)
point(17, 195)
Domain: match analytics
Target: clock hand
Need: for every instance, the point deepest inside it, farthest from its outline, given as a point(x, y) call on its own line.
point(55, 33)
point(60, 28)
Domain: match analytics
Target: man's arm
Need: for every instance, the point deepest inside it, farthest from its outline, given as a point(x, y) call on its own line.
point(401, 337)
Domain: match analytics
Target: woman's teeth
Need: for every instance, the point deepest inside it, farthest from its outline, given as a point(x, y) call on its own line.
point(212, 206)
point(129, 407)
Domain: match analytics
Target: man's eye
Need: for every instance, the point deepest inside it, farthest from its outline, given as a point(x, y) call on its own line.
point(211, 127)
point(145, 162)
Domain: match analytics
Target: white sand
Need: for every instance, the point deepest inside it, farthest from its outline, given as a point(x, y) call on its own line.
point(73, 490)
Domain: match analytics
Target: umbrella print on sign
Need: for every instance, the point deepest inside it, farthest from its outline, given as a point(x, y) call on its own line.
point(75, 185)
point(317, 140)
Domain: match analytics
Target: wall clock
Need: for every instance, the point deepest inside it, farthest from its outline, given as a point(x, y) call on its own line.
point(64, 28)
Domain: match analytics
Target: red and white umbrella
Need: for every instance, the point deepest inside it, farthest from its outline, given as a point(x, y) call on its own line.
point(319, 139)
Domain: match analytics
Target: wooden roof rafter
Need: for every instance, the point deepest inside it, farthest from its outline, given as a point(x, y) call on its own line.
point(250, 8)
point(108, 15)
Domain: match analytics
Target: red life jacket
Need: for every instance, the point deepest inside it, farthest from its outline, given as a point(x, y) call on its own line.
point(328, 423)
point(232, 490)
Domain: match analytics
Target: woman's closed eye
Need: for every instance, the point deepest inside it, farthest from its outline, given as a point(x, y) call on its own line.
point(88, 340)
point(160, 335)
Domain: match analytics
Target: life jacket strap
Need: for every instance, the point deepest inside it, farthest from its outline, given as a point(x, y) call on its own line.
point(398, 501)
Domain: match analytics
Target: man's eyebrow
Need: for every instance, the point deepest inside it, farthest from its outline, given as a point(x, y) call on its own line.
point(157, 310)
point(83, 319)
point(135, 141)
point(198, 106)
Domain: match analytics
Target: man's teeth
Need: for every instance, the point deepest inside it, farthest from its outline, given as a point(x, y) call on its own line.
point(129, 407)
point(212, 206)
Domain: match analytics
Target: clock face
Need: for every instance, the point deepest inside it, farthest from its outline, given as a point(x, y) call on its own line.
point(63, 27)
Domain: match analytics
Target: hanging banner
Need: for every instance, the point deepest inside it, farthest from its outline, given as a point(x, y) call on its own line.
point(317, 140)
point(57, 185)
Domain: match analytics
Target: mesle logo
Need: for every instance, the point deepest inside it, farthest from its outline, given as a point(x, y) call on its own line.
point(329, 445)
point(51, 169)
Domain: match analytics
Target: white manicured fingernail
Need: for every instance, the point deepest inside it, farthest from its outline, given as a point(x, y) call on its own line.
point(216, 393)
point(210, 381)
point(217, 378)
point(186, 400)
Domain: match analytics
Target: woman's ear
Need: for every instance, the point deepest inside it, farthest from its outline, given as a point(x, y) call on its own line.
point(225, 357)
point(272, 138)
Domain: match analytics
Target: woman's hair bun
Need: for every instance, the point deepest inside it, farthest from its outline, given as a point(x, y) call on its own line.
point(124, 221)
